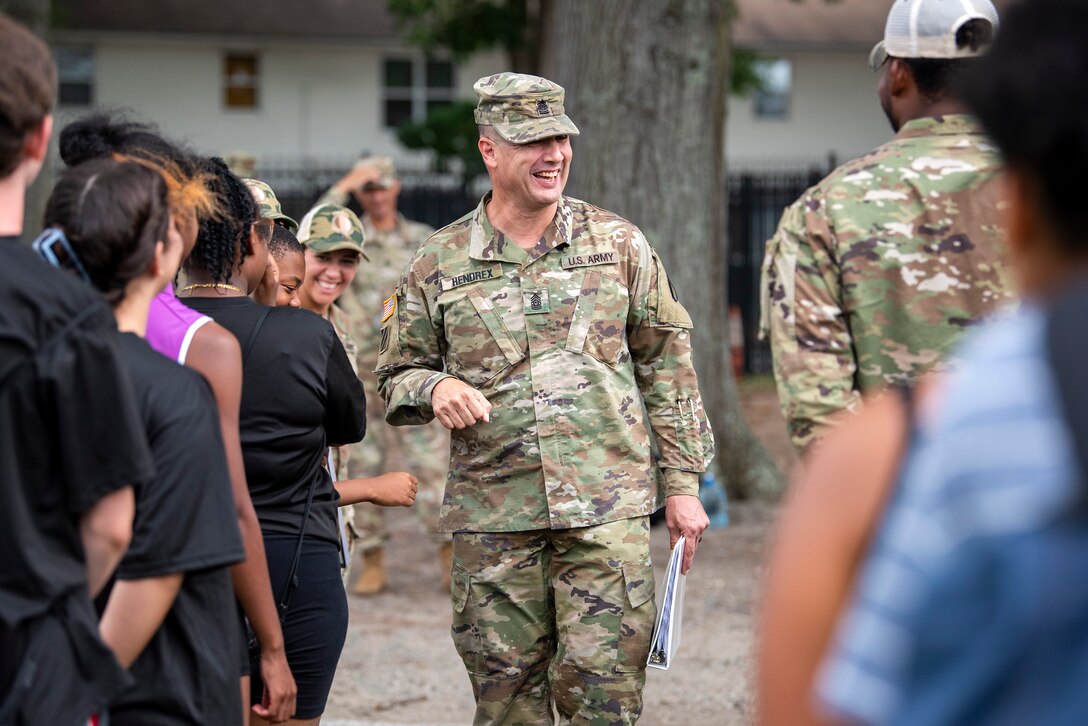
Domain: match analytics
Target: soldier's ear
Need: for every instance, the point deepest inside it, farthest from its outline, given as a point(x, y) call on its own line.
point(900, 78)
point(488, 150)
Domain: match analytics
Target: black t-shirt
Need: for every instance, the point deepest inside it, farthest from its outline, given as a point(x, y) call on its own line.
point(299, 395)
point(185, 522)
point(70, 433)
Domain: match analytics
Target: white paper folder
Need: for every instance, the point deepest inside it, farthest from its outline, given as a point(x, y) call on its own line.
point(670, 613)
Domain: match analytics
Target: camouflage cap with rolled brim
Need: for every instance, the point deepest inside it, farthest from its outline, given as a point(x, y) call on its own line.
point(387, 173)
point(330, 227)
point(522, 108)
point(269, 204)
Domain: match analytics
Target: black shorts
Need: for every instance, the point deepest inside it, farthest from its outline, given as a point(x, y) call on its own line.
point(246, 634)
point(316, 623)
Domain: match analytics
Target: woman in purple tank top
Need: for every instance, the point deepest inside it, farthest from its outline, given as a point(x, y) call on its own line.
point(171, 325)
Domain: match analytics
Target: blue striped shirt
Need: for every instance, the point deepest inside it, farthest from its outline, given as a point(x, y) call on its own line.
point(996, 458)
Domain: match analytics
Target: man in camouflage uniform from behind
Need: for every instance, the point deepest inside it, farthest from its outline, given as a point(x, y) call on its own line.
point(875, 271)
point(543, 331)
point(391, 240)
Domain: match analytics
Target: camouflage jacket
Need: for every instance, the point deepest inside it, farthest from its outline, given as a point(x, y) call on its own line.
point(341, 454)
point(388, 256)
point(576, 343)
point(875, 271)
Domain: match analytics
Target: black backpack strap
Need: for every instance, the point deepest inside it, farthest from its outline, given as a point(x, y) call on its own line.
point(292, 574)
point(253, 334)
point(1067, 353)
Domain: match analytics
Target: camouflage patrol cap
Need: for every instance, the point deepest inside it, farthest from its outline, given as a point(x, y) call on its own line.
point(387, 173)
point(270, 206)
point(522, 108)
point(330, 227)
point(241, 163)
point(928, 29)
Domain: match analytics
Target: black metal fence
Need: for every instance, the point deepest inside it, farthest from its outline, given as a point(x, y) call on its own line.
point(756, 200)
point(756, 203)
point(436, 199)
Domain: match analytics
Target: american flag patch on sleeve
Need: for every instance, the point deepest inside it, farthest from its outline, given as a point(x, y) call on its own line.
point(389, 307)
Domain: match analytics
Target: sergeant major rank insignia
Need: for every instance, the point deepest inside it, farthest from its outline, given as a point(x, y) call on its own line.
point(535, 301)
point(542, 107)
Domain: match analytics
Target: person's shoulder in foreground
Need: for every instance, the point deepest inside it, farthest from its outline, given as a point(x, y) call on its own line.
point(49, 314)
point(995, 458)
point(44, 299)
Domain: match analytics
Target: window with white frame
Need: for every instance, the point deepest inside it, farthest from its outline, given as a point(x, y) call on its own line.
point(772, 100)
point(413, 87)
point(75, 75)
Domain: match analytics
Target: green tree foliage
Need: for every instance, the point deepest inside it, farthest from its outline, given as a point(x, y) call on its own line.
point(464, 27)
point(449, 132)
point(743, 78)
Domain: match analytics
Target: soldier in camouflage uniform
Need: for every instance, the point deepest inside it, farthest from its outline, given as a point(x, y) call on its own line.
point(875, 271)
point(391, 240)
point(543, 331)
point(326, 229)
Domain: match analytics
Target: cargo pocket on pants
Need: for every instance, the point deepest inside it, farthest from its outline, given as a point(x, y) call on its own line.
point(639, 613)
point(466, 635)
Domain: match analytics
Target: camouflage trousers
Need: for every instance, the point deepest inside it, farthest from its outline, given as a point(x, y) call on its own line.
point(420, 450)
point(555, 618)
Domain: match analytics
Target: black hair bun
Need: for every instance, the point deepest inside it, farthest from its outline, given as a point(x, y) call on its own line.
point(110, 132)
point(91, 137)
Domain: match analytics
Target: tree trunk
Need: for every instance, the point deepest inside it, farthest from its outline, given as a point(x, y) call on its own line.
point(35, 14)
point(647, 82)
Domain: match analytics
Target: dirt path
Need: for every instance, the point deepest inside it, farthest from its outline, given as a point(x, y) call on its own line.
point(399, 665)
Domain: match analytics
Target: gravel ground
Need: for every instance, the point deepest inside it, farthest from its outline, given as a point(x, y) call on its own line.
point(399, 665)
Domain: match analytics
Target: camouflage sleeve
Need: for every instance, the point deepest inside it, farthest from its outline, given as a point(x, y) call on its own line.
point(332, 196)
point(814, 362)
point(409, 355)
point(659, 337)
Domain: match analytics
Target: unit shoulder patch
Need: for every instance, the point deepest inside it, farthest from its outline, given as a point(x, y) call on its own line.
point(669, 312)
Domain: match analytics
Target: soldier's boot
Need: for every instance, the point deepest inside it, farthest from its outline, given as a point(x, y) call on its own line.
point(373, 579)
point(445, 562)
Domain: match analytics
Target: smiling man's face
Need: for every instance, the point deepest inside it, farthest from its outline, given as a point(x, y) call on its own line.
point(534, 174)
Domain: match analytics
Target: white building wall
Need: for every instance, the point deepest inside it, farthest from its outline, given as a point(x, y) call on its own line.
point(315, 100)
point(833, 110)
point(325, 101)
